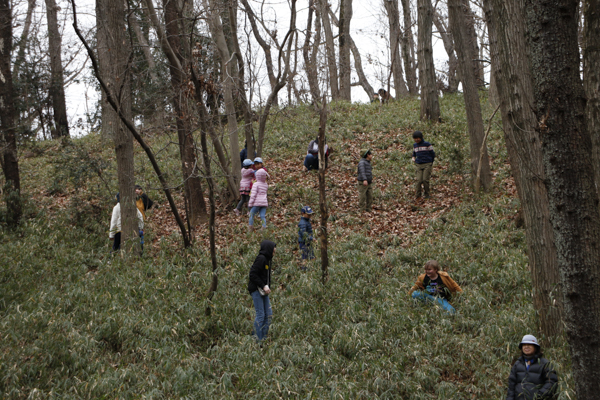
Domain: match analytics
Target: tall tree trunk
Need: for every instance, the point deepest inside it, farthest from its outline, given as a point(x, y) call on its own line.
point(192, 184)
point(143, 43)
point(559, 105)
point(22, 45)
point(393, 14)
point(310, 64)
point(591, 78)
point(408, 50)
point(329, 49)
point(57, 82)
point(457, 17)
point(8, 119)
point(512, 71)
point(448, 41)
point(227, 72)
point(344, 29)
point(430, 107)
point(323, 234)
point(472, 41)
point(113, 55)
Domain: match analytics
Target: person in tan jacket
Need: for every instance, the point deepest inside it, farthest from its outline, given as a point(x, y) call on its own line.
point(435, 286)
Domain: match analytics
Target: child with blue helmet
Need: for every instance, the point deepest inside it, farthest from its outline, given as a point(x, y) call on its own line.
point(305, 234)
point(245, 184)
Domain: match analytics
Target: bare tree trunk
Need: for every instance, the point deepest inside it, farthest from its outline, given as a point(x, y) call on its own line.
point(113, 55)
point(192, 184)
point(143, 43)
point(344, 29)
point(512, 71)
point(8, 119)
point(472, 41)
point(322, 196)
point(430, 107)
point(393, 14)
point(22, 45)
point(408, 50)
point(591, 78)
point(329, 49)
point(57, 83)
point(457, 16)
point(227, 72)
point(559, 105)
point(310, 64)
point(448, 40)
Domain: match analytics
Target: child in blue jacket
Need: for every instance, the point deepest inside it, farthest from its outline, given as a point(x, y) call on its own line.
point(423, 157)
point(305, 234)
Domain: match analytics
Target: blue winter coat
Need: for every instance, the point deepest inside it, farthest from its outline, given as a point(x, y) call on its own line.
point(423, 152)
point(305, 231)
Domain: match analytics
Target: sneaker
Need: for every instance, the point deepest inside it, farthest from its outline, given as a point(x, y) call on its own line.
point(236, 211)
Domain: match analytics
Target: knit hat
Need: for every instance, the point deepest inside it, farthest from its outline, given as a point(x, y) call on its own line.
point(365, 152)
point(418, 134)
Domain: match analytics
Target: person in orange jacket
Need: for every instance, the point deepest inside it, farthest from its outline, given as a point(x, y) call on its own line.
point(435, 286)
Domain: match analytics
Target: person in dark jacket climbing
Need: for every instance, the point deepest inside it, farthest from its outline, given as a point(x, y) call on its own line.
point(423, 157)
point(259, 281)
point(532, 376)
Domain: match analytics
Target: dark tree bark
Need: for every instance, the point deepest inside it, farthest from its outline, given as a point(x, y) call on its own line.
point(457, 16)
point(113, 55)
point(408, 50)
point(512, 71)
point(192, 184)
point(591, 77)
point(430, 107)
point(322, 196)
point(329, 49)
point(472, 42)
point(8, 119)
point(57, 82)
point(559, 105)
point(393, 14)
point(344, 29)
point(309, 56)
point(448, 41)
point(22, 45)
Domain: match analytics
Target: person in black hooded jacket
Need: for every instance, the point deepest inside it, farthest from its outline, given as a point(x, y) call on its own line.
point(532, 377)
point(260, 278)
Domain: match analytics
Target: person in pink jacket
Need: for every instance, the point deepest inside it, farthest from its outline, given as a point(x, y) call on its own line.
point(258, 198)
point(245, 184)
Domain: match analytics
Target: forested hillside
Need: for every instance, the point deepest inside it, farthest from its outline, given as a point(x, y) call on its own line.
point(77, 322)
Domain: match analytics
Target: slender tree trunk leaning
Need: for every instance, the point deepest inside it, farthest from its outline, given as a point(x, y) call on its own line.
point(57, 82)
point(8, 119)
point(512, 71)
point(591, 78)
point(322, 196)
point(329, 49)
point(393, 14)
point(113, 55)
point(309, 62)
point(457, 17)
point(22, 44)
point(430, 107)
point(448, 41)
point(408, 50)
point(559, 105)
point(227, 74)
point(110, 98)
point(194, 195)
point(344, 29)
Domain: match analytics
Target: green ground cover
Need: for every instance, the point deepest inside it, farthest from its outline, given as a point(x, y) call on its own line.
point(75, 323)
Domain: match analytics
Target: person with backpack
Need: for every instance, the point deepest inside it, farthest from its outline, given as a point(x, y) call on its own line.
point(532, 377)
point(259, 282)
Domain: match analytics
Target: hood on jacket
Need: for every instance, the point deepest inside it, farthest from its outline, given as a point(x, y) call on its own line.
point(261, 175)
point(266, 248)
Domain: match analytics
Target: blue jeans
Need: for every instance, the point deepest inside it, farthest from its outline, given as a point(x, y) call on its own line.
point(311, 162)
point(262, 211)
point(263, 314)
point(419, 295)
point(307, 251)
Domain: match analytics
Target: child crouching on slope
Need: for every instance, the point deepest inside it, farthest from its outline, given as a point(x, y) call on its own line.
point(435, 286)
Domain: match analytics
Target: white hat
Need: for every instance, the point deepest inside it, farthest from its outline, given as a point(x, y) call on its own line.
point(529, 339)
